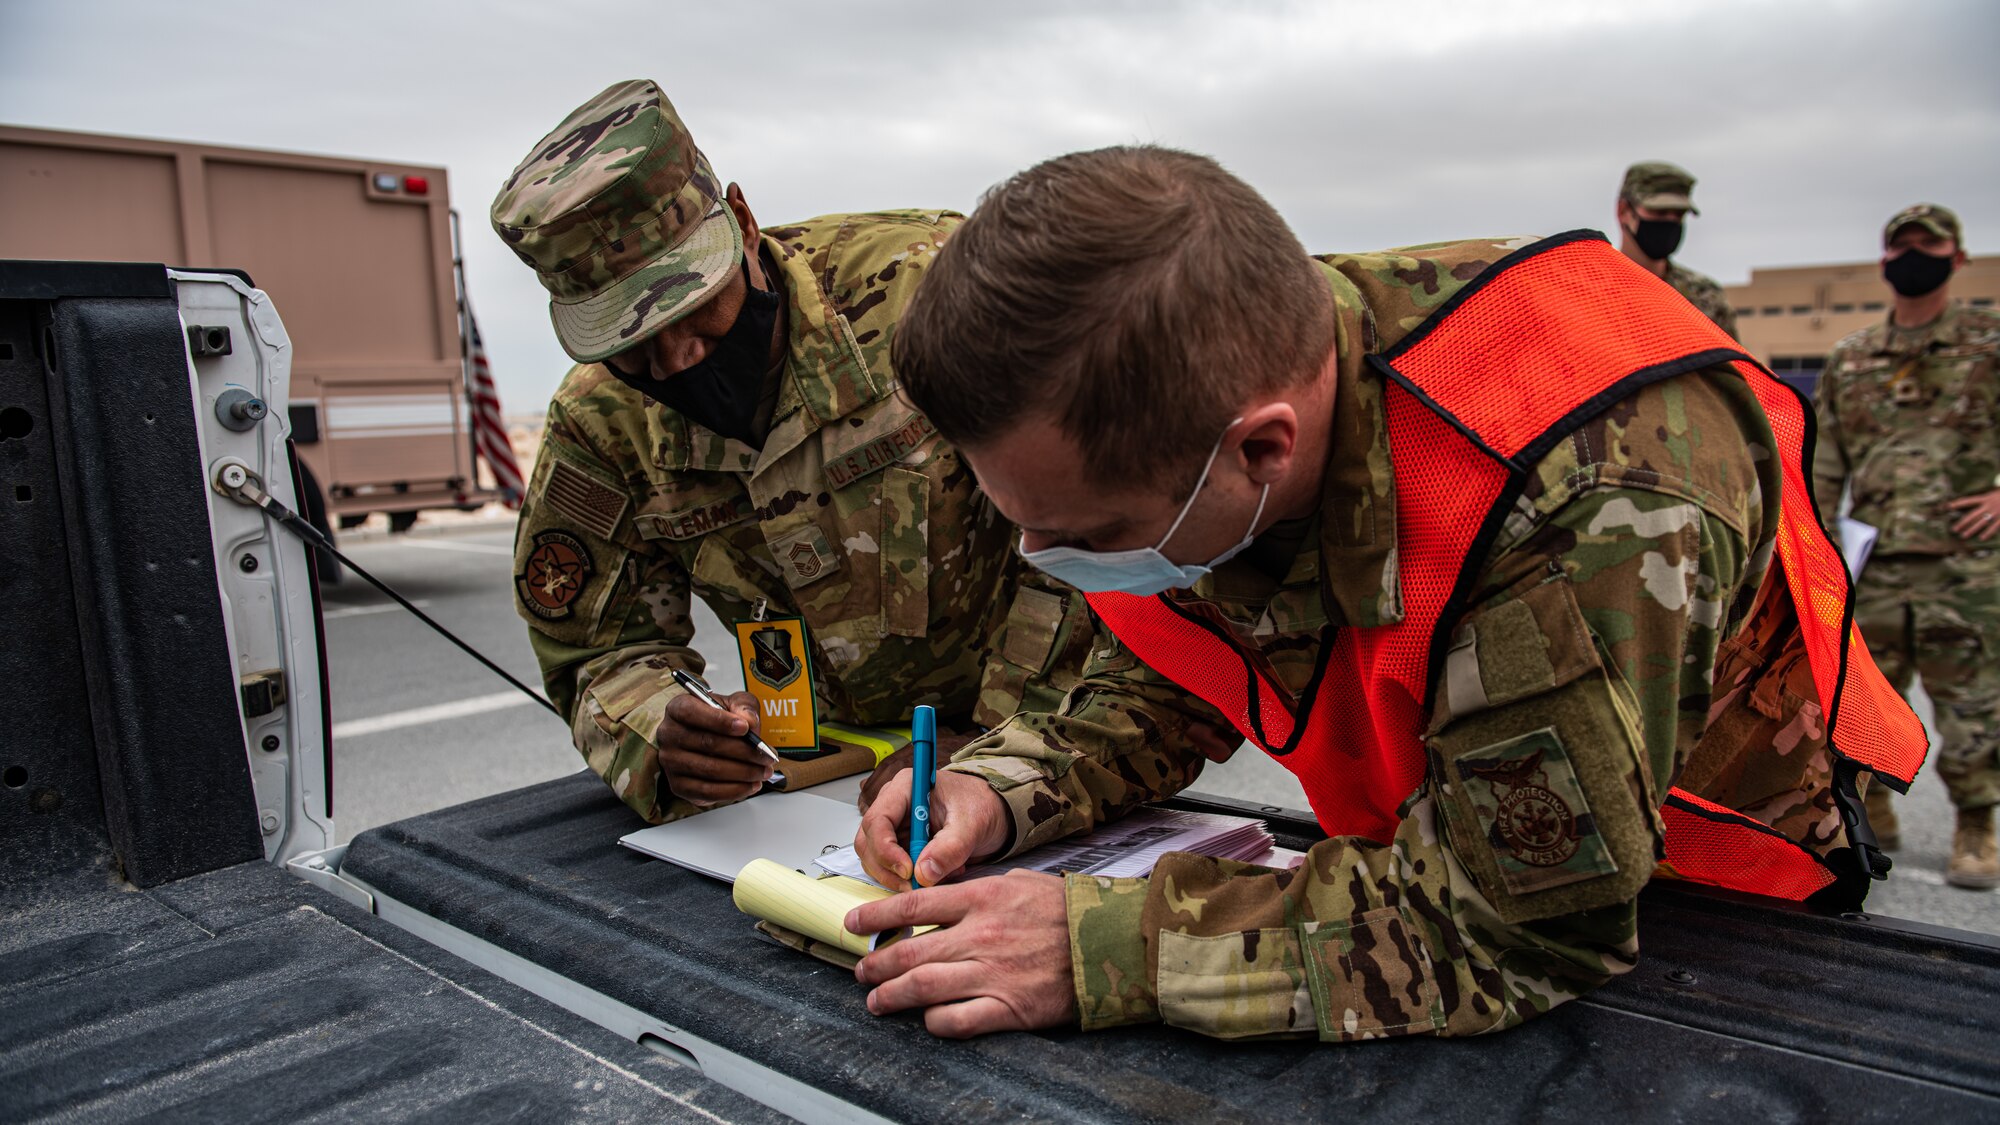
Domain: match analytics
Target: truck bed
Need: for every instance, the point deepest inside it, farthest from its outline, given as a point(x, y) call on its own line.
point(1737, 1008)
point(506, 959)
point(246, 994)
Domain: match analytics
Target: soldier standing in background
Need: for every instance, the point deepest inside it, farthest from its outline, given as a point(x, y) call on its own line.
point(1653, 206)
point(733, 430)
point(1909, 418)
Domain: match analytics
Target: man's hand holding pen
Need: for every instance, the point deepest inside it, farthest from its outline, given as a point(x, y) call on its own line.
point(709, 750)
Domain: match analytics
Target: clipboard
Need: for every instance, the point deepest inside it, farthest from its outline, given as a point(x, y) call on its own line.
point(792, 829)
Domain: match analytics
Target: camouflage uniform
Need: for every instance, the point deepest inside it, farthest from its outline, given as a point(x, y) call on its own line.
point(1704, 293)
point(853, 514)
point(1662, 186)
point(1910, 418)
point(1637, 552)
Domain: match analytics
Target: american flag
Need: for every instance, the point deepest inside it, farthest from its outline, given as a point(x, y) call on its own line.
point(489, 436)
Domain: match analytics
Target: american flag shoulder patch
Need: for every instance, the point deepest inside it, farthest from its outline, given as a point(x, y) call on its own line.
point(594, 506)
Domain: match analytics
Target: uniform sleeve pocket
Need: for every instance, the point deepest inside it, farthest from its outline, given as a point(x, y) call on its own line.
point(1537, 762)
point(1037, 659)
point(1234, 985)
point(1032, 623)
point(634, 697)
point(1371, 977)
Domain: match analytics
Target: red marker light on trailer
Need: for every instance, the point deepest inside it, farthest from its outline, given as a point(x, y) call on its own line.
point(416, 185)
point(385, 181)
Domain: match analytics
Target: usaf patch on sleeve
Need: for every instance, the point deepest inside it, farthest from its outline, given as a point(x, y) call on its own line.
point(1526, 798)
point(555, 574)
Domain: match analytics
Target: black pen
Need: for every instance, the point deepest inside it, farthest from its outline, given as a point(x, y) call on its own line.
point(700, 691)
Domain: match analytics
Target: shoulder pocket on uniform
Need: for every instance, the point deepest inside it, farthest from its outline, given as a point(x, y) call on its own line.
point(906, 552)
point(1038, 656)
point(1537, 764)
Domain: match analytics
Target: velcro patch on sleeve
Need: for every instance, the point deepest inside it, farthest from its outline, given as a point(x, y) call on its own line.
point(558, 567)
point(1525, 796)
point(1371, 977)
point(595, 506)
point(1032, 623)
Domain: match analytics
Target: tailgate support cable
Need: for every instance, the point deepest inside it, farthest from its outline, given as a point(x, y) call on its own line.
point(239, 484)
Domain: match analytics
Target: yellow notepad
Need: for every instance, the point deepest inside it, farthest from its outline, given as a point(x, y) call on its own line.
point(812, 907)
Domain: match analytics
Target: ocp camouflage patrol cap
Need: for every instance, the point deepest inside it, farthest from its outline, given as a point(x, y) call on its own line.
point(1660, 186)
point(1938, 220)
point(621, 218)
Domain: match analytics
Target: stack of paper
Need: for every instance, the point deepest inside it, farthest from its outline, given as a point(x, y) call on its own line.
point(1122, 848)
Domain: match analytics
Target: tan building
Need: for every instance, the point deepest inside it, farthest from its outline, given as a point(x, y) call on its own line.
point(1792, 316)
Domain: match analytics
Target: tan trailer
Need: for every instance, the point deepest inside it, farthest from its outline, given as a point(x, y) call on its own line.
point(359, 253)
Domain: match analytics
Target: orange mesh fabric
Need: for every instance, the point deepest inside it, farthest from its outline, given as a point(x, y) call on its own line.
point(1533, 348)
point(1197, 658)
point(1707, 843)
point(1543, 337)
point(1866, 719)
point(1372, 690)
point(1577, 319)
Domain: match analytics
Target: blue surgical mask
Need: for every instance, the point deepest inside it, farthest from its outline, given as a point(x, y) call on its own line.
point(1143, 571)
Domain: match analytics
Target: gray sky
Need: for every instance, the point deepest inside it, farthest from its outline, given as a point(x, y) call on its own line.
point(1368, 124)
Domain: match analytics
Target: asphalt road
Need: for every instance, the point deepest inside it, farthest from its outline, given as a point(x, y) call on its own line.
point(419, 725)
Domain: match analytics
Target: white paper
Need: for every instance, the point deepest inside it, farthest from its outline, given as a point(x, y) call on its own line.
point(1124, 848)
point(1279, 857)
point(788, 828)
point(1857, 539)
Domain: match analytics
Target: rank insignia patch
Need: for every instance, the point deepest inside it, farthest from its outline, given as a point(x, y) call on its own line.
point(805, 556)
point(1531, 807)
point(554, 576)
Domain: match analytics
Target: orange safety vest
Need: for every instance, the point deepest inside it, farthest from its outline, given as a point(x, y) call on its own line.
point(1513, 363)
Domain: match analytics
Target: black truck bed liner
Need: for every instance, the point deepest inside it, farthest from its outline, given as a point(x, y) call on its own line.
point(246, 994)
point(205, 984)
point(1736, 1008)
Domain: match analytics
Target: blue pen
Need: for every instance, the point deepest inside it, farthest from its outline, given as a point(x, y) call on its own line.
point(923, 746)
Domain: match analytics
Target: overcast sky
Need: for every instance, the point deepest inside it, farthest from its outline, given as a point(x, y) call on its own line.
point(1367, 124)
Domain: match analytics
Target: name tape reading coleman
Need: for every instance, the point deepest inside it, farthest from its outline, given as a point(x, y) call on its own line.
point(698, 521)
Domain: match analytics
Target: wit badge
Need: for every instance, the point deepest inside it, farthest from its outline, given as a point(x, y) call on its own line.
point(777, 669)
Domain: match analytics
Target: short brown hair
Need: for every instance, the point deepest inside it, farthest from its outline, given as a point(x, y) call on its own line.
point(1138, 294)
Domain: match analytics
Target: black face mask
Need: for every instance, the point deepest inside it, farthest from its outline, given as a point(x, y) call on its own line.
point(1659, 238)
point(724, 390)
point(1914, 273)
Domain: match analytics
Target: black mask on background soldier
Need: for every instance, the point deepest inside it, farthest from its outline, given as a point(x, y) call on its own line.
point(724, 390)
point(1659, 238)
point(1914, 273)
